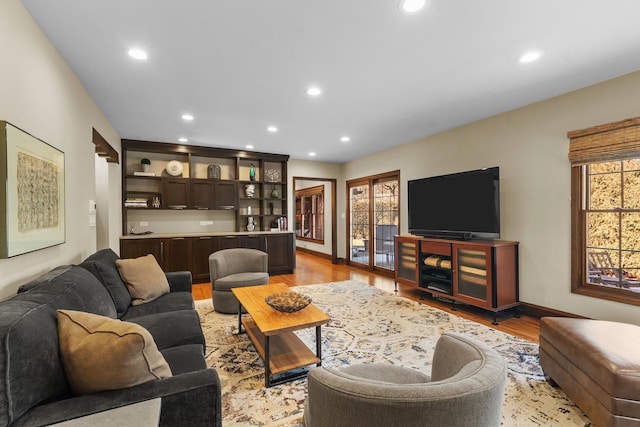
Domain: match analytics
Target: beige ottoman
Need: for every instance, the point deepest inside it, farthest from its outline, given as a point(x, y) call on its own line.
point(597, 363)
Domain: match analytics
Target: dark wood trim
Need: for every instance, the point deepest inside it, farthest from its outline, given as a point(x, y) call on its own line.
point(166, 147)
point(579, 283)
point(539, 311)
point(104, 149)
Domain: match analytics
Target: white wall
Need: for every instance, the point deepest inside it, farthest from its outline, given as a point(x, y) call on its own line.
point(41, 95)
point(530, 146)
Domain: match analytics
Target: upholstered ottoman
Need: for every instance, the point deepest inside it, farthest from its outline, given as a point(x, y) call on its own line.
point(597, 363)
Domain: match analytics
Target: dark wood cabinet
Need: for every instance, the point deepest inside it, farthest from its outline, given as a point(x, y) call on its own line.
point(479, 273)
point(225, 195)
point(176, 193)
point(192, 253)
point(202, 194)
point(280, 248)
point(177, 254)
point(135, 248)
point(201, 248)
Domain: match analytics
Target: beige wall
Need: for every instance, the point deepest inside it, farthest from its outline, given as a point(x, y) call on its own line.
point(41, 95)
point(530, 147)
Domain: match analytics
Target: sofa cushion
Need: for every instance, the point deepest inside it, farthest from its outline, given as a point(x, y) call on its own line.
point(102, 265)
point(174, 328)
point(185, 358)
point(239, 280)
point(99, 353)
point(144, 278)
point(71, 288)
point(173, 301)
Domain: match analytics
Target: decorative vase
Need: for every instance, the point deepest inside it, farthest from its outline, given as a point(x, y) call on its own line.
point(270, 208)
point(249, 190)
point(274, 193)
point(251, 225)
point(252, 172)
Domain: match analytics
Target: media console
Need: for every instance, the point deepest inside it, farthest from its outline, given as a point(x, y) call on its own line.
point(481, 273)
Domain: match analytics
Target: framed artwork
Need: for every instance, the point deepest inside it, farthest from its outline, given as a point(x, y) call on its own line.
point(32, 201)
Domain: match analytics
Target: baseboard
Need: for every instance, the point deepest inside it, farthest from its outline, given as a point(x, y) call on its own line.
point(314, 253)
point(539, 311)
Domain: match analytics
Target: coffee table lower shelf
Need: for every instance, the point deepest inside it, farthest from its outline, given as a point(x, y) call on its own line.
point(281, 353)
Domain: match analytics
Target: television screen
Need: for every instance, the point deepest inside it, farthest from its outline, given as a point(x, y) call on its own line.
point(459, 205)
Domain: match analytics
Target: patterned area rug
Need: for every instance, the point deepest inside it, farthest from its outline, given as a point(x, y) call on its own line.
point(369, 325)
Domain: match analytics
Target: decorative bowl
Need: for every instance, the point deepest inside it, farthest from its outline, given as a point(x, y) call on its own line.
point(174, 168)
point(288, 302)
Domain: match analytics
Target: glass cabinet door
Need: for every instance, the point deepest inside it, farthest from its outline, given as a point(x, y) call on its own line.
point(407, 262)
point(473, 273)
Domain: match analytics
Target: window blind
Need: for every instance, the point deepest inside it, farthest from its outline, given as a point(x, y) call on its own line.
point(612, 141)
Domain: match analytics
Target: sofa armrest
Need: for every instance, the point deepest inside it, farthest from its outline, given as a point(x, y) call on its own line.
point(192, 399)
point(179, 281)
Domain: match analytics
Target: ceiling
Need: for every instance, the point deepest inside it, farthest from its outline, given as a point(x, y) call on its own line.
point(387, 77)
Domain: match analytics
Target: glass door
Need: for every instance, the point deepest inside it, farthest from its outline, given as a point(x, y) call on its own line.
point(385, 212)
point(359, 224)
point(373, 220)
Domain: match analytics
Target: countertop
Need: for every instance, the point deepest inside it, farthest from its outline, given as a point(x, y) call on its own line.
point(203, 234)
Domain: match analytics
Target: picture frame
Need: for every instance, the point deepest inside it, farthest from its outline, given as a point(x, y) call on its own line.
point(32, 203)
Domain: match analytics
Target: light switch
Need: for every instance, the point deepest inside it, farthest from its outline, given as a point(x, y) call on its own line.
point(92, 213)
point(144, 223)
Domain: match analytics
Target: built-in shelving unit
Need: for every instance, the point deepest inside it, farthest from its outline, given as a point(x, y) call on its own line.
point(182, 177)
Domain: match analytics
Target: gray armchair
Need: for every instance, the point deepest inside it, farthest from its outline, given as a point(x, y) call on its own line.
point(233, 268)
point(466, 388)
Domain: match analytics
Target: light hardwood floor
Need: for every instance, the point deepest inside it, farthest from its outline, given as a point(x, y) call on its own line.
point(311, 269)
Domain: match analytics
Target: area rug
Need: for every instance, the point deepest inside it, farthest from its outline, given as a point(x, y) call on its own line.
point(370, 325)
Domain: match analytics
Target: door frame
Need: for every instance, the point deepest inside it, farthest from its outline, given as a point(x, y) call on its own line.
point(334, 216)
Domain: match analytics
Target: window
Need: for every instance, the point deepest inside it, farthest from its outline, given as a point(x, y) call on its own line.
point(606, 211)
point(310, 214)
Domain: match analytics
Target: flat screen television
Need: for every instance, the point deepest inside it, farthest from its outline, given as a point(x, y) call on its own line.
point(463, 205)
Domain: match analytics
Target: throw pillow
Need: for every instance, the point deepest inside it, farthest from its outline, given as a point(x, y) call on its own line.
point(144, 278)
point(99, 353)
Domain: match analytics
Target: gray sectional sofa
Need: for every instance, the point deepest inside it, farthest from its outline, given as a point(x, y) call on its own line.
point(34, 390)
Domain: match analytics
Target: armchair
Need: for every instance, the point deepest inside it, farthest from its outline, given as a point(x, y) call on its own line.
point(232, 268)
point(465, 388)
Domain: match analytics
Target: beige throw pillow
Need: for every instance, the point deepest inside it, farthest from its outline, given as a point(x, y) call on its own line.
point(144, 278)
point(99, 353)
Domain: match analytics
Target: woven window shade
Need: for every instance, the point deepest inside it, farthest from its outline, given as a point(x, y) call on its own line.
point(613, 141)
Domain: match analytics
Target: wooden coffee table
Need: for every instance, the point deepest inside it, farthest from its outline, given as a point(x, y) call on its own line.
point(271, 332)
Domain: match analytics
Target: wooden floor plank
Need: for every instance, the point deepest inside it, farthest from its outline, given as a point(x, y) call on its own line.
point(311, 269)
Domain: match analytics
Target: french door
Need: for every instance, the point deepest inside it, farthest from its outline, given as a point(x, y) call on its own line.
point(373, 220)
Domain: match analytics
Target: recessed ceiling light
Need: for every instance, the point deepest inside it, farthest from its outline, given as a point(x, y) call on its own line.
point(345, 139)
point(187, 117)
point(183, 140)
point(411, 6)
point(272, 129)
point(249, 147)
point(314, 91)
point(138, 54)
point(312, 154)
point(530, 57)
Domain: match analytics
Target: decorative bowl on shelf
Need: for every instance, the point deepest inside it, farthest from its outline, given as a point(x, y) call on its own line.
point(288, 302)
point(174, 168)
